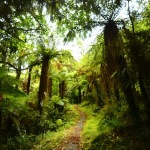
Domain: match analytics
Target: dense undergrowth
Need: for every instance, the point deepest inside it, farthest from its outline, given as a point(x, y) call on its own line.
point(107, 128)
point(52, 139)
point(23, 128)
point(111, 128)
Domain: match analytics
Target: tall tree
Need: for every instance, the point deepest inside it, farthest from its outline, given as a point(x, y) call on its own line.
point(43, 87)
point(47, 53)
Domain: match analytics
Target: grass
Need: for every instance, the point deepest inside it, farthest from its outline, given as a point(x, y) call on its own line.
point(91, 127)
point(50, 140)
point(110, 128)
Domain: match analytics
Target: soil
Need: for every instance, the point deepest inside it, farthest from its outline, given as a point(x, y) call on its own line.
point(72, 142)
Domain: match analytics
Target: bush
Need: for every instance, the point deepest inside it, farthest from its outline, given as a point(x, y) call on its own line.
point(23, 142)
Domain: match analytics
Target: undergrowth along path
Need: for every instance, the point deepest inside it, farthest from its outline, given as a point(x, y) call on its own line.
point(72, 142)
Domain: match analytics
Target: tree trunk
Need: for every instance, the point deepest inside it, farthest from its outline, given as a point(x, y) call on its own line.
point(100, 102)
point(50, 87)
point(80, 95)
point(127, 89)
point(139, 61)
point(43, 87)
point(107, 90)
point(145, 97)
point(0, 119)
point(18, 72)
point(116, 90)
point(62, 89)
point(29, 80)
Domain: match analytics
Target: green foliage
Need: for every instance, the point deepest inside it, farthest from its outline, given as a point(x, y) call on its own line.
point(111, 128)
point(21, 142)
point(23, 123)
point(118, 70)
point(57, 100)
point(100, 122)
point(59, 122)
point(53, 112)
point(19, 121)
point(52, 139)
point(48, 119)
point(7, 85)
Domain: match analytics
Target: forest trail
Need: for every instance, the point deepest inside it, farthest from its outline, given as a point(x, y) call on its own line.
point(72, 142)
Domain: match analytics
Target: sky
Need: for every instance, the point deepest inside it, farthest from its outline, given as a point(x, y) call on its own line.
point(81, 46)
point(78, 48)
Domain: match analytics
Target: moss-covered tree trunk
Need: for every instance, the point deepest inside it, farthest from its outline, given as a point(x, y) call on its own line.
point(43, 87)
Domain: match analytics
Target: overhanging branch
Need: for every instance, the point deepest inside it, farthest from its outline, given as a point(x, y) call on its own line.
point(37, 62)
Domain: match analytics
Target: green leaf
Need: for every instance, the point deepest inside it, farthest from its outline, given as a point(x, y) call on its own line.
point(113, 74)
point(60, 103)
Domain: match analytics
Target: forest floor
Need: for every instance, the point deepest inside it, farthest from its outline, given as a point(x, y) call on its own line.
point(86, 127)
point(73, 141)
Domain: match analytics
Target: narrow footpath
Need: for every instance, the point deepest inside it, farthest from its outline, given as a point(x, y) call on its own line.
point(73, 141)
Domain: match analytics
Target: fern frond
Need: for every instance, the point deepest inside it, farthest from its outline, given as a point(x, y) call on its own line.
point(7, 84)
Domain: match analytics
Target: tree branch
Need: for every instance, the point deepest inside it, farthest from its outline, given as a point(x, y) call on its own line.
point(9, 65)
point(36, 62)
point(131, 18)
point(27, 30)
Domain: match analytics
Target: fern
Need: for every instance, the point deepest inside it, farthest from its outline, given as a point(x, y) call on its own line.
point(7, 85)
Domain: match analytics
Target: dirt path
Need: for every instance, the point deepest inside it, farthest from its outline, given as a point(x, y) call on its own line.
point(73, 141)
